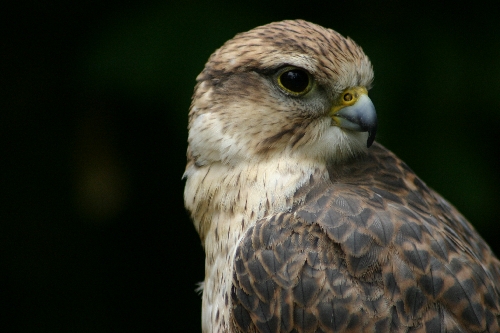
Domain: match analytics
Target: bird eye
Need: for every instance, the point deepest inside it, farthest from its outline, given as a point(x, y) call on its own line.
point(295, 81)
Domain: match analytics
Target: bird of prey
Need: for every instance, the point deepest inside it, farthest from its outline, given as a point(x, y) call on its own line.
point(308, 225)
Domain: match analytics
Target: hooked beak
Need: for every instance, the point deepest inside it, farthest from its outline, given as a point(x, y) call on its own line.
point(360, 116)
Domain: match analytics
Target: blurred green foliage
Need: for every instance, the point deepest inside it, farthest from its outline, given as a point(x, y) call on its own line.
point(95, 95)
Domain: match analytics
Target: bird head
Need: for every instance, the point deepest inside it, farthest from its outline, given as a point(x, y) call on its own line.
point(289, 88)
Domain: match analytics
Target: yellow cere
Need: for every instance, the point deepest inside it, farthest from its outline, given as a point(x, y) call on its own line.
point(348, 97)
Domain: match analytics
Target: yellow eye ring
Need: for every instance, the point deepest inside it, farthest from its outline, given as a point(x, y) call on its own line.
point(294, 81)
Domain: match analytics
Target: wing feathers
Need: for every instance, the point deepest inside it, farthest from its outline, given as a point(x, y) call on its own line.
point(380, 254)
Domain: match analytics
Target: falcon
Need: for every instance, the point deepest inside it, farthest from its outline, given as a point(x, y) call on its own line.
point(308, 225)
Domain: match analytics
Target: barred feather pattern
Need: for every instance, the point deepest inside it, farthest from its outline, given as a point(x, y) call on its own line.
point(374, 250)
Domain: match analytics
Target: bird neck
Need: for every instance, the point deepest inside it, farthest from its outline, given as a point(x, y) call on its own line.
point(224, 201)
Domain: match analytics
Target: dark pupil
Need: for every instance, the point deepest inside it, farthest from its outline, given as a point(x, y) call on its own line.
point(295, 80)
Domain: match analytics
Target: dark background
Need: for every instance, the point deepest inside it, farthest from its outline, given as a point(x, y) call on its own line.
point(94, 100)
